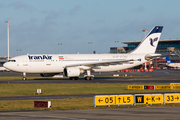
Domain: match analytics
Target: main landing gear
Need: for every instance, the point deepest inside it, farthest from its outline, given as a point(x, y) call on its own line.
point(74, 78)
point(86, 77)
point(89, 76)
point(24, 76)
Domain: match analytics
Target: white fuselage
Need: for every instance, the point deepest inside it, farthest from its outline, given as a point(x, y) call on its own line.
point(173, 65)
point(55, 63)
point(72, 65)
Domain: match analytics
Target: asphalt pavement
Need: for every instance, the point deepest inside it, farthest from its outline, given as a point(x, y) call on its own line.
point(145, 113)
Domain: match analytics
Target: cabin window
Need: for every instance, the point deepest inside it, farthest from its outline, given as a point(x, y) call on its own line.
point(11, 60)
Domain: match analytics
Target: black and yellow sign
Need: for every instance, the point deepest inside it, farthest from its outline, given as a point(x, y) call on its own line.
point(174, 83)
point(176, 87)
point(124, 99)
point(154, 98)
point(105, 100)
point(135, 87)
point(149, 87)
point(167, 87)
point(136, 99)
point(172, 98)
point(139, 99)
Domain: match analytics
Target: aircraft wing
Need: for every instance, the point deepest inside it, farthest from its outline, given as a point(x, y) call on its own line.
point(152, 56)
point(102, 63)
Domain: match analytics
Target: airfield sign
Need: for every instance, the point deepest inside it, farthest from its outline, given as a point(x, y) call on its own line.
point(172, 98)
point(155, 98)
point(104, 100)
point(124, 99)
point(148, 98)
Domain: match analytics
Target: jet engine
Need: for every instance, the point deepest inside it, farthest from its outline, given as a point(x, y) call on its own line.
point(72, 72)
point(48, 74)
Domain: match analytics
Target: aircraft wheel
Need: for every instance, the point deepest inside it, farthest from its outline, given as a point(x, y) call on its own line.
point(71, 78)
point(24, 78)
point(87, 78)
point(76, 78)
point(91, 78)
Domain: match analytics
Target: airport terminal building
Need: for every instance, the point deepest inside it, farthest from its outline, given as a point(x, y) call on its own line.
point(165, 46)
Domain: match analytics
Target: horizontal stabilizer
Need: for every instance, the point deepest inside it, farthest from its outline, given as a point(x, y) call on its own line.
point(153, 56)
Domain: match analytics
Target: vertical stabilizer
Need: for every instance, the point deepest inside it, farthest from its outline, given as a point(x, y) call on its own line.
point(168, 60)
point(149, 44)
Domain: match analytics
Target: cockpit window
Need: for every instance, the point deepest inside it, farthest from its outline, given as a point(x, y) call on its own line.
point(11, 60)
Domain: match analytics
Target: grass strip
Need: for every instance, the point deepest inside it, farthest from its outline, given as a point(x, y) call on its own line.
point(51, 78)
point(29, 89)
point(68, 104)
point(20, 77)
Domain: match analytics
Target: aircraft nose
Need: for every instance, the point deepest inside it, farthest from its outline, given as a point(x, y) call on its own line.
point(5, 65)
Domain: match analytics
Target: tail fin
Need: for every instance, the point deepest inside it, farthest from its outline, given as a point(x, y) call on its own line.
point(149, 44)
point(168, 60)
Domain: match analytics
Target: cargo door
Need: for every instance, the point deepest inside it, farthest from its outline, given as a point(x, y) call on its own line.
point(25, 62)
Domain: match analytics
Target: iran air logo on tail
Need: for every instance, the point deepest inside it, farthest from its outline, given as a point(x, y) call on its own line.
point(153, 40)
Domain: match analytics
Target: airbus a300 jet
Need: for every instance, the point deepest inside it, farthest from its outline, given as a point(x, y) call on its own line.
point(72, 65)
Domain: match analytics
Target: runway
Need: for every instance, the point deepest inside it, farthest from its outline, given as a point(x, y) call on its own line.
point(158, 76)
point(144, 113)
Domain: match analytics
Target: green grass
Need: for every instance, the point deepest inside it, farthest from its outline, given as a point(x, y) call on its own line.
point(57, 104)
point(68, 104)
point(29, 89)
point(20, 77)
point(46, 78)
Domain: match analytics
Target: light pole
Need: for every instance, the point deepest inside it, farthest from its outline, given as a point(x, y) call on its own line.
point(116, 45)
point(58, 48)
point(7, 37)
point(17, 52)
point(90, 43)
point(144, 30)
point(61, 48)
point(91, 47)
point(88, 47)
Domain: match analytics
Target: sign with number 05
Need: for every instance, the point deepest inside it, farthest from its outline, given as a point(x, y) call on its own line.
point(105, 100)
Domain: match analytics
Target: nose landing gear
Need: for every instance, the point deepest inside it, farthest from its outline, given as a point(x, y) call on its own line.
point(24, 76)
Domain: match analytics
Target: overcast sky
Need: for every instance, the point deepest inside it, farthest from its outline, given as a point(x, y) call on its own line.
point(37, 26)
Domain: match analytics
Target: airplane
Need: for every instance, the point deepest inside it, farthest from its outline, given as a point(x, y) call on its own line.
point(72, 65)
point(171, 64)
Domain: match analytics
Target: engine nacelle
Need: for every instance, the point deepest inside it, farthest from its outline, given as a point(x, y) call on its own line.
point(72, 72)
point(48, 74)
